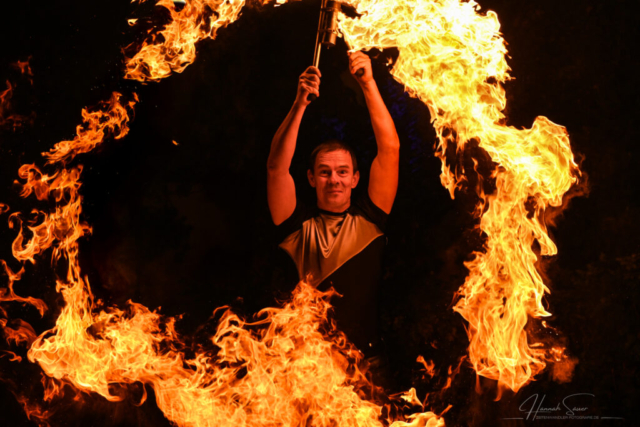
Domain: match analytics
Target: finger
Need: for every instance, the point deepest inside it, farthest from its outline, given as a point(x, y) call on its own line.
point(313, 70)
point(311, 78)
point(310, 82)
point(357, 54)
point(360, 64)
point(306, 86)
point(362, 60)
point(354, 69)
point(311, 89)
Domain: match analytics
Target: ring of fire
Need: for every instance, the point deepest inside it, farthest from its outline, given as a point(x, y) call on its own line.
point(452, 58)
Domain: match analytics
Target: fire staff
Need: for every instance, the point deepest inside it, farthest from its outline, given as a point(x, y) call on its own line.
point(338, 242)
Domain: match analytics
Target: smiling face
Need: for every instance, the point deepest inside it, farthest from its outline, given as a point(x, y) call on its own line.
point(333, 178)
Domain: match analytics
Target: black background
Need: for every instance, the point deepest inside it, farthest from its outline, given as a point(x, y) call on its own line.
point(186, 227)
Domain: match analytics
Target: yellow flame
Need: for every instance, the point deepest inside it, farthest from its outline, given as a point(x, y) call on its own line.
point(452, 58)
point(110, 118)
point(284, 373)
point(284, 370)
point(290, 368)
point(174, 48)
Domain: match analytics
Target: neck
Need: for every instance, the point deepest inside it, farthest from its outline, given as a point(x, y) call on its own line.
point(333, 208)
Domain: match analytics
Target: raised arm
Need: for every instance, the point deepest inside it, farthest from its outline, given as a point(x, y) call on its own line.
point(281, 190)
point(383, 180)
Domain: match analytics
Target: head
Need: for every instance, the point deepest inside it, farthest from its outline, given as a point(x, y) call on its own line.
point(333, 172)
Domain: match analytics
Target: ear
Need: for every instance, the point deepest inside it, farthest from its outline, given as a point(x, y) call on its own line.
point(355, 179)
point(311, 178)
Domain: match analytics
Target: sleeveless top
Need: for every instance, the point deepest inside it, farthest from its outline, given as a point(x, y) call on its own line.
point(343, 250)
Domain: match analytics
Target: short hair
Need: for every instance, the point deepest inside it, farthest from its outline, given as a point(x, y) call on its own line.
point(332, 145)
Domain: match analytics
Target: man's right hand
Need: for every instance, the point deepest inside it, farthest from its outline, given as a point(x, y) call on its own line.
point(309, 82)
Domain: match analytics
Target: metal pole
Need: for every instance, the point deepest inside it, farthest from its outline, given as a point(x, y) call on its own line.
point(316, 53)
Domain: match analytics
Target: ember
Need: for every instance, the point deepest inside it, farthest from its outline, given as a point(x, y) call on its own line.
point(9, 118)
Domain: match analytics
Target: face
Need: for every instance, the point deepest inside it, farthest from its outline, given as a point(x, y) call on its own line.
point(333, 179)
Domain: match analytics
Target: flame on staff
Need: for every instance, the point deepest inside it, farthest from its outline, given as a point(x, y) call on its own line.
point(452, 58)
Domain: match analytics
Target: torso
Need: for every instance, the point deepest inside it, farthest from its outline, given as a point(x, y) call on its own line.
point(344, 251)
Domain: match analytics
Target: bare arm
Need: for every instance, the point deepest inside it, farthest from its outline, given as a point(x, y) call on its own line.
point(383, 180)
point(281, 190)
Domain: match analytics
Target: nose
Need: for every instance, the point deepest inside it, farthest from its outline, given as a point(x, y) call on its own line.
point(333, 177)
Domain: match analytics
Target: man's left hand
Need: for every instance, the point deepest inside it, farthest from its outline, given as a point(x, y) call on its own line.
point(360, 61)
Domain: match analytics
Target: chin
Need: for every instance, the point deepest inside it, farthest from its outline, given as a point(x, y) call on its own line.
point(336, 203)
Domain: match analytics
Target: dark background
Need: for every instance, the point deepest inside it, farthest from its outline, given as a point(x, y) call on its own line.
point(187, 228)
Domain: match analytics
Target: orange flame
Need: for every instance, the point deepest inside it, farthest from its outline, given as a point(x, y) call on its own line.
point(289, 368)
point(292, 367)
point(429, 367)
point(174, 48)
point(109, 119)
point(61, 228)
point(9, 294)
point(63, 225)
point(25, 68)
point(10, 120)
point(15, 120)
point(285, 373)
point(23, 334)
point(5, 97)
point(453, 59)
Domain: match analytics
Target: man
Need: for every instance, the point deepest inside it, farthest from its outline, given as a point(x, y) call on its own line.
point(339, 242)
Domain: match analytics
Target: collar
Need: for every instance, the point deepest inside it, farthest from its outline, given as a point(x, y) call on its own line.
point(343, 213)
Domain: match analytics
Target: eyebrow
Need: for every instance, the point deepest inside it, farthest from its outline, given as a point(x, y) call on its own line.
point(328, 166)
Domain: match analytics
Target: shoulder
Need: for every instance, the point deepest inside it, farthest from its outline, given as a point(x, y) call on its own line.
point(301, 213)
point(364, 206)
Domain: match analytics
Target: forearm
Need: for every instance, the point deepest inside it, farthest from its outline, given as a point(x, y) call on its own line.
point(383, 127)
point(283, 144)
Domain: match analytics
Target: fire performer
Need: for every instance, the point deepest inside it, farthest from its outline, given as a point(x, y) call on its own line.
point(339, 242)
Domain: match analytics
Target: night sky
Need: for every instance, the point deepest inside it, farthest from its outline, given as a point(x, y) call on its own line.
point(186, 227)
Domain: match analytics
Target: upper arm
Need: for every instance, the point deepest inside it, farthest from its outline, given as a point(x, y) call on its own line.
point(281, 195)
point(383, 179)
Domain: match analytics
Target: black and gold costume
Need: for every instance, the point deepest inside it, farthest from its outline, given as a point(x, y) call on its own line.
point(343, 250)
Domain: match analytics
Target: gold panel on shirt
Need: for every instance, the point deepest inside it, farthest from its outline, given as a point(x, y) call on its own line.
point(326, 242)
